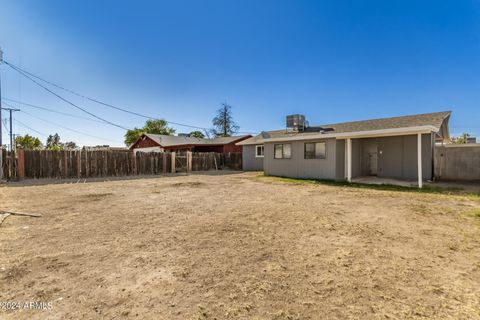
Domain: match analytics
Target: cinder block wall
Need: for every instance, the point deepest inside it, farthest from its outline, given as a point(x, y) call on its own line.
point(458, 162)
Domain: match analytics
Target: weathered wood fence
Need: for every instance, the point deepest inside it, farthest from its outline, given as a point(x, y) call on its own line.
point(9, 164)
point(203, 161)
point(38, 164)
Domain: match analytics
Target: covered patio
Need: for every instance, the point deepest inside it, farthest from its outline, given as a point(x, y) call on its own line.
point(399, 158)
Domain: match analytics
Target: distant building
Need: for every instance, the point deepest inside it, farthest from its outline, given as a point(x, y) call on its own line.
point(471, 140)
point(104, 148)
point(159, 143)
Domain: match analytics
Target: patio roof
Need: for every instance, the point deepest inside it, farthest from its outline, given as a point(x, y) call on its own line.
point(168, 141)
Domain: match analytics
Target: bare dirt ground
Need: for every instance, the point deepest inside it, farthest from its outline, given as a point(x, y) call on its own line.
point(238, 246)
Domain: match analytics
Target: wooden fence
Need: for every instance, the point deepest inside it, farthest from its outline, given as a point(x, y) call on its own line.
point(9, 164)
point(203, 161)
point(38, 164)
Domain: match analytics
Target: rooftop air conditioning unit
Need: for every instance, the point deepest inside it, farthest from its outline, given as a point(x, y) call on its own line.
point(296, 122)
point(265, 135)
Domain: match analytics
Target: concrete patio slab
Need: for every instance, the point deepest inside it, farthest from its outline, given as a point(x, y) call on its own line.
point(379, 181)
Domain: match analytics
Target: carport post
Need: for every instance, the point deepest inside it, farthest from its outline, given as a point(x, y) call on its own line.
point(349, 159)
point(172, 156)
point(419, 154)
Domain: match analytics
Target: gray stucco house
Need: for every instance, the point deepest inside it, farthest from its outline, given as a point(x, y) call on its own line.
point(399, 147)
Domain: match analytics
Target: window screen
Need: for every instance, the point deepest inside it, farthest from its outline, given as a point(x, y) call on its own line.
point(283, 151)
point(278, 151)
point(309, 150)
point(320, 151)
point(315, 150)
point(287, 151)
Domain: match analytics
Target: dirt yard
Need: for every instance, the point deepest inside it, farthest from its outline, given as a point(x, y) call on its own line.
point(238, 246)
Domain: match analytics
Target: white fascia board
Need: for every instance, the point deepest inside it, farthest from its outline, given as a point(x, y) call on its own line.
point(246, 143)
point(388, 132)
point(358, 134)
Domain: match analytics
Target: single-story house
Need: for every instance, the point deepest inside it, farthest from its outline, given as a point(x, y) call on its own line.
point(160, 143)
point(399, 148)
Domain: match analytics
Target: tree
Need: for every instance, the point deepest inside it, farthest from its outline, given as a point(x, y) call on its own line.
point(53, 142)
point(132, 135)
point(27, 142)
point(69, 145)
point(197, 134)
point(159, 126)
point(223, 124)
point(462, 139)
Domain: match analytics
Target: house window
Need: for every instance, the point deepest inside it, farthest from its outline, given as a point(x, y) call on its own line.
point(259, 151)
point(315, 150)
point(283, 151)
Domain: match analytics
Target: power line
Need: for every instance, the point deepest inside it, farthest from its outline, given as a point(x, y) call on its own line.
point(50, 110)
point(61, 126)
point(66, 128)
point(26, 126)
point(62, 98)
point(107, 104)
point(11, 110)
point(101, 102)
point(4, 122)
point(468, 127)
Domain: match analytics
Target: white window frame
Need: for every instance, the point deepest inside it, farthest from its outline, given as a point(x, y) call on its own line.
point(262, 153)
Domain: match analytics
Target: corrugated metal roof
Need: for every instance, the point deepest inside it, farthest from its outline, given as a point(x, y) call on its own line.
point(435, 119)
point(168, 141)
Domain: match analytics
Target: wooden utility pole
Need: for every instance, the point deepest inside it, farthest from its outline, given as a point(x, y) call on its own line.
point(11, 126)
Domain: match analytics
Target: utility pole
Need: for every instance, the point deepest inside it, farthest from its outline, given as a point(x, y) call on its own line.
point(15, 135)
point(1, 142)
point(10, 110)
point(11, 127)
point(11, 132)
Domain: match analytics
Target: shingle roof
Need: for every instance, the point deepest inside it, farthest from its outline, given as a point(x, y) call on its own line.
point(168, 141)
point(426, 119)
point(435, 119)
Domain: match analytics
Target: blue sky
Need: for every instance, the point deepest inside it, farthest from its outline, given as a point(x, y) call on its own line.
point(333, 61)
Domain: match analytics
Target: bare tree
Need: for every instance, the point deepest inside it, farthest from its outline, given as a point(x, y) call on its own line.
point(223, 124)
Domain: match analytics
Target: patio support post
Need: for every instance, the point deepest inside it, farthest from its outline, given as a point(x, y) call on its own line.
point(349, 159)
point(172, 158)
point(419, 156)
